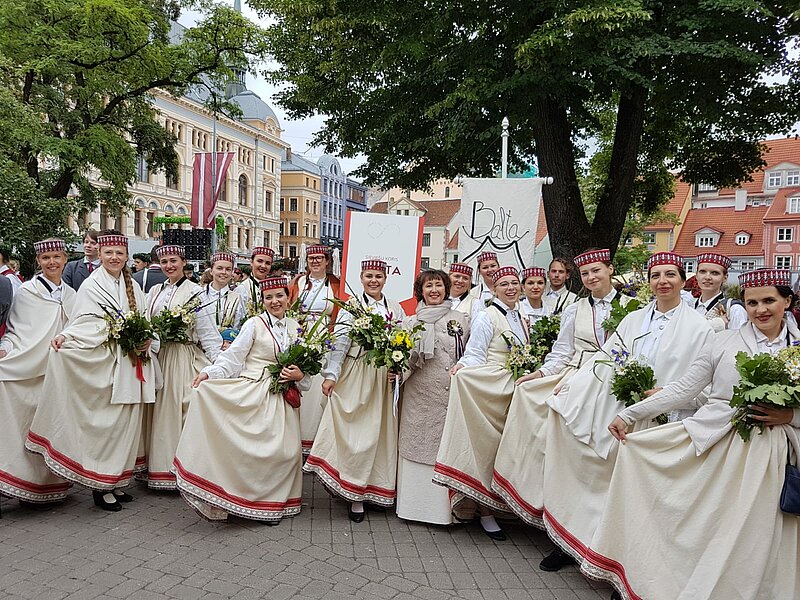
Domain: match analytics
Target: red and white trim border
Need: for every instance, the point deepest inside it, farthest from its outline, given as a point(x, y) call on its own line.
point(332, 479)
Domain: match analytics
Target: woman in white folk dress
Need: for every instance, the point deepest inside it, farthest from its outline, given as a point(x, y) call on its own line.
point(180, 363)
point(487, 265)
point(704, 522)
point(222, 304)
point(519, 468)
point(534, 303)
point(426, 390)
point(722, 313)
point(460, 286)
point(355, 450)
point(480, 393)
point(240, 449)
point(89, 419)
point(40, 311)
point(313, 291)
point(579, 451)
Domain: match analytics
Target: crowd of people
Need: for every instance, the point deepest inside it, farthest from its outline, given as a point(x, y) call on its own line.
point(679, 507)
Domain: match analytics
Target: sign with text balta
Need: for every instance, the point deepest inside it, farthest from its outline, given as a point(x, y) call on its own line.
point(396, 239)
point(499, 215)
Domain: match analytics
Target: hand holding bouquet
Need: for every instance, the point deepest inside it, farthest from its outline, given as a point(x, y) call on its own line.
point(527, 358)
point(766, 379)
point(173, 324)
point(132, 332)
point(632, 378)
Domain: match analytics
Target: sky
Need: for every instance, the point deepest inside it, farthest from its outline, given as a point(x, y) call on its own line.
point(298, 133)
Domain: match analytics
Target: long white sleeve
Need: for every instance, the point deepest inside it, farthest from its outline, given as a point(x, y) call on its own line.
point(685, 393)
point(341, 345)
point(208, 335)
point(737, 316)
point(480, 336)
point(564, 347)
point(229, 364)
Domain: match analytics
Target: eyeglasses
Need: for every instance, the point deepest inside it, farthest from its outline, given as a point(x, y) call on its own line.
point(315, 258)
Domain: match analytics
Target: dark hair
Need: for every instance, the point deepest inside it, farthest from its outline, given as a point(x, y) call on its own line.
point(5, 253)
point(92, 233)
point(567, 264)
point(427, 276)
point(154, 255)
point(681, 272)
point(522, 281)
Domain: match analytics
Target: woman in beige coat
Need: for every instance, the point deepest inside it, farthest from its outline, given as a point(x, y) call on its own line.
point(425, 394)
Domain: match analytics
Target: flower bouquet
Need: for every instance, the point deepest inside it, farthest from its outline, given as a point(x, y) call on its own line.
point(367, 329)
point(173, 324)
point(306, 352)
point(772, 380)
point(632, 378)
point(524, 358)
point(130, 331)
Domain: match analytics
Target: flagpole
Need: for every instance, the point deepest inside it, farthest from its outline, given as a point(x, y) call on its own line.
point(504, 135)
point(214, 172)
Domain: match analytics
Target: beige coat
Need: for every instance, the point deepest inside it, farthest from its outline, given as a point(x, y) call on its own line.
point(426, 392)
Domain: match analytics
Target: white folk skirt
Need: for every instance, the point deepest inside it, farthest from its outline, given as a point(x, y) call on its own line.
point(418, 498)
point(311, 408)
point(678, 526)
point(355, 450)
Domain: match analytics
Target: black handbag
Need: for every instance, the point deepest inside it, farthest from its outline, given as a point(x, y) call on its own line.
point(790, 494)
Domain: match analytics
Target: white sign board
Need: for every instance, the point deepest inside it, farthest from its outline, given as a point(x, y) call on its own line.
point(499, 215)
point(396, 239)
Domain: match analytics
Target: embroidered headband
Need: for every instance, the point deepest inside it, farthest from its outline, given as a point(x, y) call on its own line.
point(592, 256)
point(484, 256)
point(263, 250)
point(373, 265)
point(316, 250)
point(49, 246)
point(664, 258)
point(766, 277)
point(223, 256)
point(532, 272)
point(272, 283)
point(112, 240)
point(170, 250)
point(461, 268)
point(504, 272)
point(714, 258)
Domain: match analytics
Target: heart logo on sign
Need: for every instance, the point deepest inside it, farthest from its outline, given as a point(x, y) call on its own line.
point(376, 230)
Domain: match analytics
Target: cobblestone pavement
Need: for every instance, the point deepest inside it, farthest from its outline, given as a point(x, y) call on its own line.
point(158, 548)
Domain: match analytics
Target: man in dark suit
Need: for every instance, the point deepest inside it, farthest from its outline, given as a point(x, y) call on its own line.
point(147, 278)
point(77, 271)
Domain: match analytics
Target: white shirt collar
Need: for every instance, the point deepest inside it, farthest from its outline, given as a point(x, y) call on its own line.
point(762, 340)
point(709, 301)
point(607, 298)
point(666, 316)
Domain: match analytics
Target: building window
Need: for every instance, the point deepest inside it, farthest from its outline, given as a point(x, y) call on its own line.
point(242, 190)
point(747, 265)
point(283, 206)
point(424, 262)
point(142, 171)
point(629, 241)
point(426, 239)
point(315, 207)
point(705, 187)
point(306, 230)
point(405, 212)
point(308, 205)
point(280, 250)
point(742, 239)
point(774, 179)
point(292, 227)
point(688, 266)
point(267, 201)
point(447, 192)
point(280, 230)
point(705, 241)
point(292, 251)
point(793, 178)
point(266, 239)
point(314, 230)
point(785, 234)
point(794, 205)
point(172, 182)
point(704, 205)
point(223, 192)
point(292, 204)
point(783, 262)
point(649, 237)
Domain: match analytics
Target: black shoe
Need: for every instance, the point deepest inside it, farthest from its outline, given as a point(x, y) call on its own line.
point(555, 561)
point(498, 535)
point(615, 595)
point(273, 523)
point(100, 501)
point(355, 517)
point(122, 496)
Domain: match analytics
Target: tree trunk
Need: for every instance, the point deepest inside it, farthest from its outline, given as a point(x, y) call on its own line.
point(567, 225)
point(617, 195)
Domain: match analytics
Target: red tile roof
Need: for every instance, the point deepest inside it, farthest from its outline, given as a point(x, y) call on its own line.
point(438, 213)
point(675, 205)
point(729, 222)
point(777, 212)
point(452, 244)
point(779, 151)
point(541, 225)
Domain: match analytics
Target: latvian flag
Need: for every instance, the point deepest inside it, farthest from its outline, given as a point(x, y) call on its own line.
point(205, 190)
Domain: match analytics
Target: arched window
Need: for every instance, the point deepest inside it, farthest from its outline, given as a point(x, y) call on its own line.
point(242, 190)
point(447, 192)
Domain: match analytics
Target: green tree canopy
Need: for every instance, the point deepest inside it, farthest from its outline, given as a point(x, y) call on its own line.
point(77, 79)
point(420, 88)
